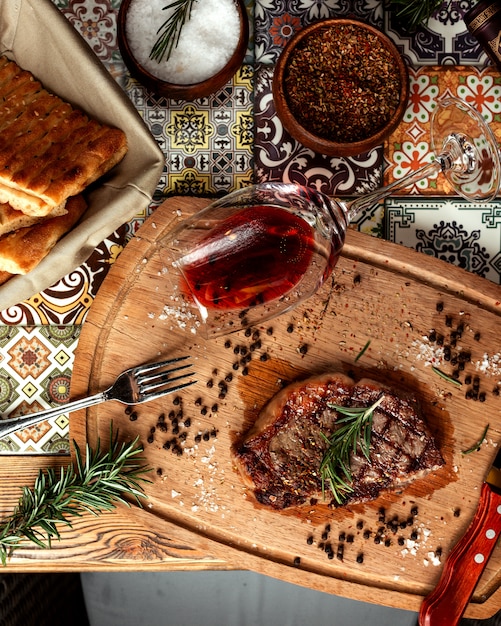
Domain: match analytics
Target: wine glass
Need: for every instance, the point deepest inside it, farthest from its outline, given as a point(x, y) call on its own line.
point(260, 251)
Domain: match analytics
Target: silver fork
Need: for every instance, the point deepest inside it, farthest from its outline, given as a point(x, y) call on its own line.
point(133, 386)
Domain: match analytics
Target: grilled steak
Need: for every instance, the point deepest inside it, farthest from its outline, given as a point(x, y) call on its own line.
point(280, 456)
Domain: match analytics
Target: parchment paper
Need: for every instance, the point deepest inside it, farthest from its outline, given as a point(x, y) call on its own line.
point(38, 37)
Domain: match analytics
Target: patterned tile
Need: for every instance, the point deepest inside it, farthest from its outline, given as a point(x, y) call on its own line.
point(408, 148)
point(445, 40)
point(96, 21)
point(35, 374)
point(208, 143)
point(466, 234)
point(28, 357)
point(67, 302)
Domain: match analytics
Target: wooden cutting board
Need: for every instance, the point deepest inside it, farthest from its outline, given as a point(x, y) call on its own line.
point(414, 310)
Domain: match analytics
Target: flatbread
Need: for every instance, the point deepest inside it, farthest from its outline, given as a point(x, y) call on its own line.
point(10, 219)
point(49, 150)
point(23, 249)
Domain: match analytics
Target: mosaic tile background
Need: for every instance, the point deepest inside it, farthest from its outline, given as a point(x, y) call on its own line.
point(35, 373)
point(234, 138)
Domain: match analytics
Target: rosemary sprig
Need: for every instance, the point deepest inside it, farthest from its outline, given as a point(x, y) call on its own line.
point(443, 375)
point(413, 13)
point(170, 31)
point(363, 350)
point(476, 446)
point(94, 484)
point(353, 433)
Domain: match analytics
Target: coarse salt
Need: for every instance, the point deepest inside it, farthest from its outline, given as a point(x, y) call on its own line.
point(430, 353)
point(490, 364)
point(207, 39)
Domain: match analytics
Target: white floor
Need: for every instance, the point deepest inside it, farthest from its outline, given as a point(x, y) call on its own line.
point(222, 599)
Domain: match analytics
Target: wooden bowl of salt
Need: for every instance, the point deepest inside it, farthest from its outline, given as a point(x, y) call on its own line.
point(211, 46)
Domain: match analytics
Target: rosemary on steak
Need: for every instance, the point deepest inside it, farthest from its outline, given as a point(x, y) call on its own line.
point(170, 31)
point(353, 433)
point(95, 483)
point(414, 13)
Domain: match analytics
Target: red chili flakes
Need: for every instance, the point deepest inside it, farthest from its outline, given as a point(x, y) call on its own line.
point(342, 83)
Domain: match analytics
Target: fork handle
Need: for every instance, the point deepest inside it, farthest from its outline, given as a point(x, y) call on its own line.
point(9, 426)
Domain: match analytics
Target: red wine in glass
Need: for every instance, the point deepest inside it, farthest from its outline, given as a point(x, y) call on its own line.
point(256, 253)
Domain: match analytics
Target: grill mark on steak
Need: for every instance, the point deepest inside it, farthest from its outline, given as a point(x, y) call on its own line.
point(280, 456)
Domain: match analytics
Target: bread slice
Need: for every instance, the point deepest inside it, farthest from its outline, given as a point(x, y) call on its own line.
point(11, 219)
point(49, 150)
point(23, 249)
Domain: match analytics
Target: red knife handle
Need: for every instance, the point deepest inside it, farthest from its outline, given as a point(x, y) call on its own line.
point(447, 602)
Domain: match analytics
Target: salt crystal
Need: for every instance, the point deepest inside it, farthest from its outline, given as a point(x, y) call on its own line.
point(207, 40)
point(433, 559)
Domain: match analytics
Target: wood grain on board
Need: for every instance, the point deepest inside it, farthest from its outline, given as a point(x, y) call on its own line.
point(414, 311)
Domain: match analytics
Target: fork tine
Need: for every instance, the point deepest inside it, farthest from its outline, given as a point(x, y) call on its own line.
point(155, 382)
point(149, 367)
point(163, 392)
point(144, 379)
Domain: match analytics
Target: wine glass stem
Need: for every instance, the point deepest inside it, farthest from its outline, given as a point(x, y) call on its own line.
point(364, 202)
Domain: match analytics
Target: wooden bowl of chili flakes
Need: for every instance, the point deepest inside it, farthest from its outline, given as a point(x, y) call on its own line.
point(340, 87)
